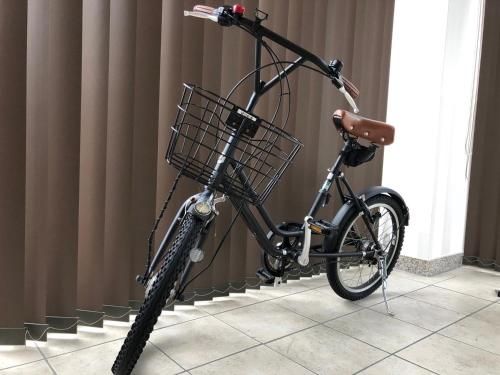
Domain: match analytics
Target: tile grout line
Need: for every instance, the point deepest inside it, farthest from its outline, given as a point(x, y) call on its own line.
point(464, 294)
point(273, 299)
point(368, 308)
point(278, 338)
point(304, 291)
point(394, 297)
point(291, 333)
point(171, 325)
point(259, 343)
point(419, 278)
point(21, 364)
point(214, 315)
point(356, 338)
point(434, 305)
point(448, 325)
point(432, 332)
point(173, 360)
point(373, 364)
point(291, 359)
point(120, 338)
point(266, 300)
point(328, 328)
point(427, 336)
point(389, 356)
point(225, 356)
point(465, 343)
point(45, 358)
point(413, 324)
point(415, 364)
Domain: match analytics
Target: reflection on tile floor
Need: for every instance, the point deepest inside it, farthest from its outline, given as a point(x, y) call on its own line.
point(446, 324)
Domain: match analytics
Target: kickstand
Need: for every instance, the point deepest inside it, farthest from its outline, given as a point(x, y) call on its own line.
point(382, 265)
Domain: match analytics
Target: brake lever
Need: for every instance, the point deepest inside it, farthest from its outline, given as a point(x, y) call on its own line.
point(349, 99)
point(203, 15)
point(340, 86)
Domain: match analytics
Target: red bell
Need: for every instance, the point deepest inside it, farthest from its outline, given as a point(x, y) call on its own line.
point(238, 9)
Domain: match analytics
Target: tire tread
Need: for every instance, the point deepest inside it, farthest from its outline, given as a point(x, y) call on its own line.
point(150, 310)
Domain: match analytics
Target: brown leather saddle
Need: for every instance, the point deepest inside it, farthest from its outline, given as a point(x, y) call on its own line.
point(374, 131)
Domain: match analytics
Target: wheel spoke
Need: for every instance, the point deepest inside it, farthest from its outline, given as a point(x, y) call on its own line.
point(357, 273)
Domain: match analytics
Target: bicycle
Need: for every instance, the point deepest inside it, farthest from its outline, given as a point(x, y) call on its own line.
point(234, 153)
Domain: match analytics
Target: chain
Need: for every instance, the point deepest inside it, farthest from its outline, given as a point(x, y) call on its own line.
point(157, 223)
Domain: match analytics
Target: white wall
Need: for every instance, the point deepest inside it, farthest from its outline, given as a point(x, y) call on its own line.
point(431, 91)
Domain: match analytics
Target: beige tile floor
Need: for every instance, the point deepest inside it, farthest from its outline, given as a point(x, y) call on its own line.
point(447, 324)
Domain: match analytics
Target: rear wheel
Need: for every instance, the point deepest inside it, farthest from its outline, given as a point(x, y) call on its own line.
point(160, 288)
point(354, 278)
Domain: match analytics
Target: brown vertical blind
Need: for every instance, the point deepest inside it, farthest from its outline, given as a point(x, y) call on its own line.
point(13, 16)
point(63, 91)
point(119, 153)
point(35, 267)
point(97, 96)
point(482, 234)
point(94, 117)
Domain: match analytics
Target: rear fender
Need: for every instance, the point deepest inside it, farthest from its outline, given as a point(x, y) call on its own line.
point(330, 241)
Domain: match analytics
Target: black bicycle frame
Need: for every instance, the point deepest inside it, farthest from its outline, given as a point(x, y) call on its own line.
point(260, 88)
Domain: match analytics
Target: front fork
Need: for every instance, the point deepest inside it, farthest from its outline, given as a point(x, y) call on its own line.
point(203, 206)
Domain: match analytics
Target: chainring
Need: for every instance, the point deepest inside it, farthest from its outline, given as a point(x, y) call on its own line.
point(274, 265)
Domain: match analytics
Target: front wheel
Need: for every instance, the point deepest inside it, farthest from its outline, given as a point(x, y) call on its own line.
point(354, 278)
point(163, 283)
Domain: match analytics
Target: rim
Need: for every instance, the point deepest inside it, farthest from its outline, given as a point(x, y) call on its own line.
point(355, 274)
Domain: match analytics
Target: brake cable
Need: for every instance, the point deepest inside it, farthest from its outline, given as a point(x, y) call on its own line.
point(144, 278)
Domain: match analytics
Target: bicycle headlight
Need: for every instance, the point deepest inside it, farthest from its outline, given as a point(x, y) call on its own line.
point(203, 208)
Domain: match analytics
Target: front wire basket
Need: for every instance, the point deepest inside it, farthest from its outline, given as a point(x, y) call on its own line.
point(204, 124)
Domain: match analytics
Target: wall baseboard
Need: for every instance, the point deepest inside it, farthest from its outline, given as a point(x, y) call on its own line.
point(429, 267)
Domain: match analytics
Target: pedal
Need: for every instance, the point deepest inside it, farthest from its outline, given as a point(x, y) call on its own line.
point(265, 276)
point(321, 227)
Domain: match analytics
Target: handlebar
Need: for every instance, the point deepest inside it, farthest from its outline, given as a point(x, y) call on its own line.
point(233, 16)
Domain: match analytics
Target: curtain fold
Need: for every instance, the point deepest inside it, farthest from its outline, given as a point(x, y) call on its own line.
point(36, 162)
point(94, 116)
point(13, 39)
point(482, 234)
point(119, 153)
point(101, 83)
point(63, 92)
point(145, 137)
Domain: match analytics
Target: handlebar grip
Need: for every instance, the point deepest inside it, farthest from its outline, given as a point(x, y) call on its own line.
point(350, 88)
